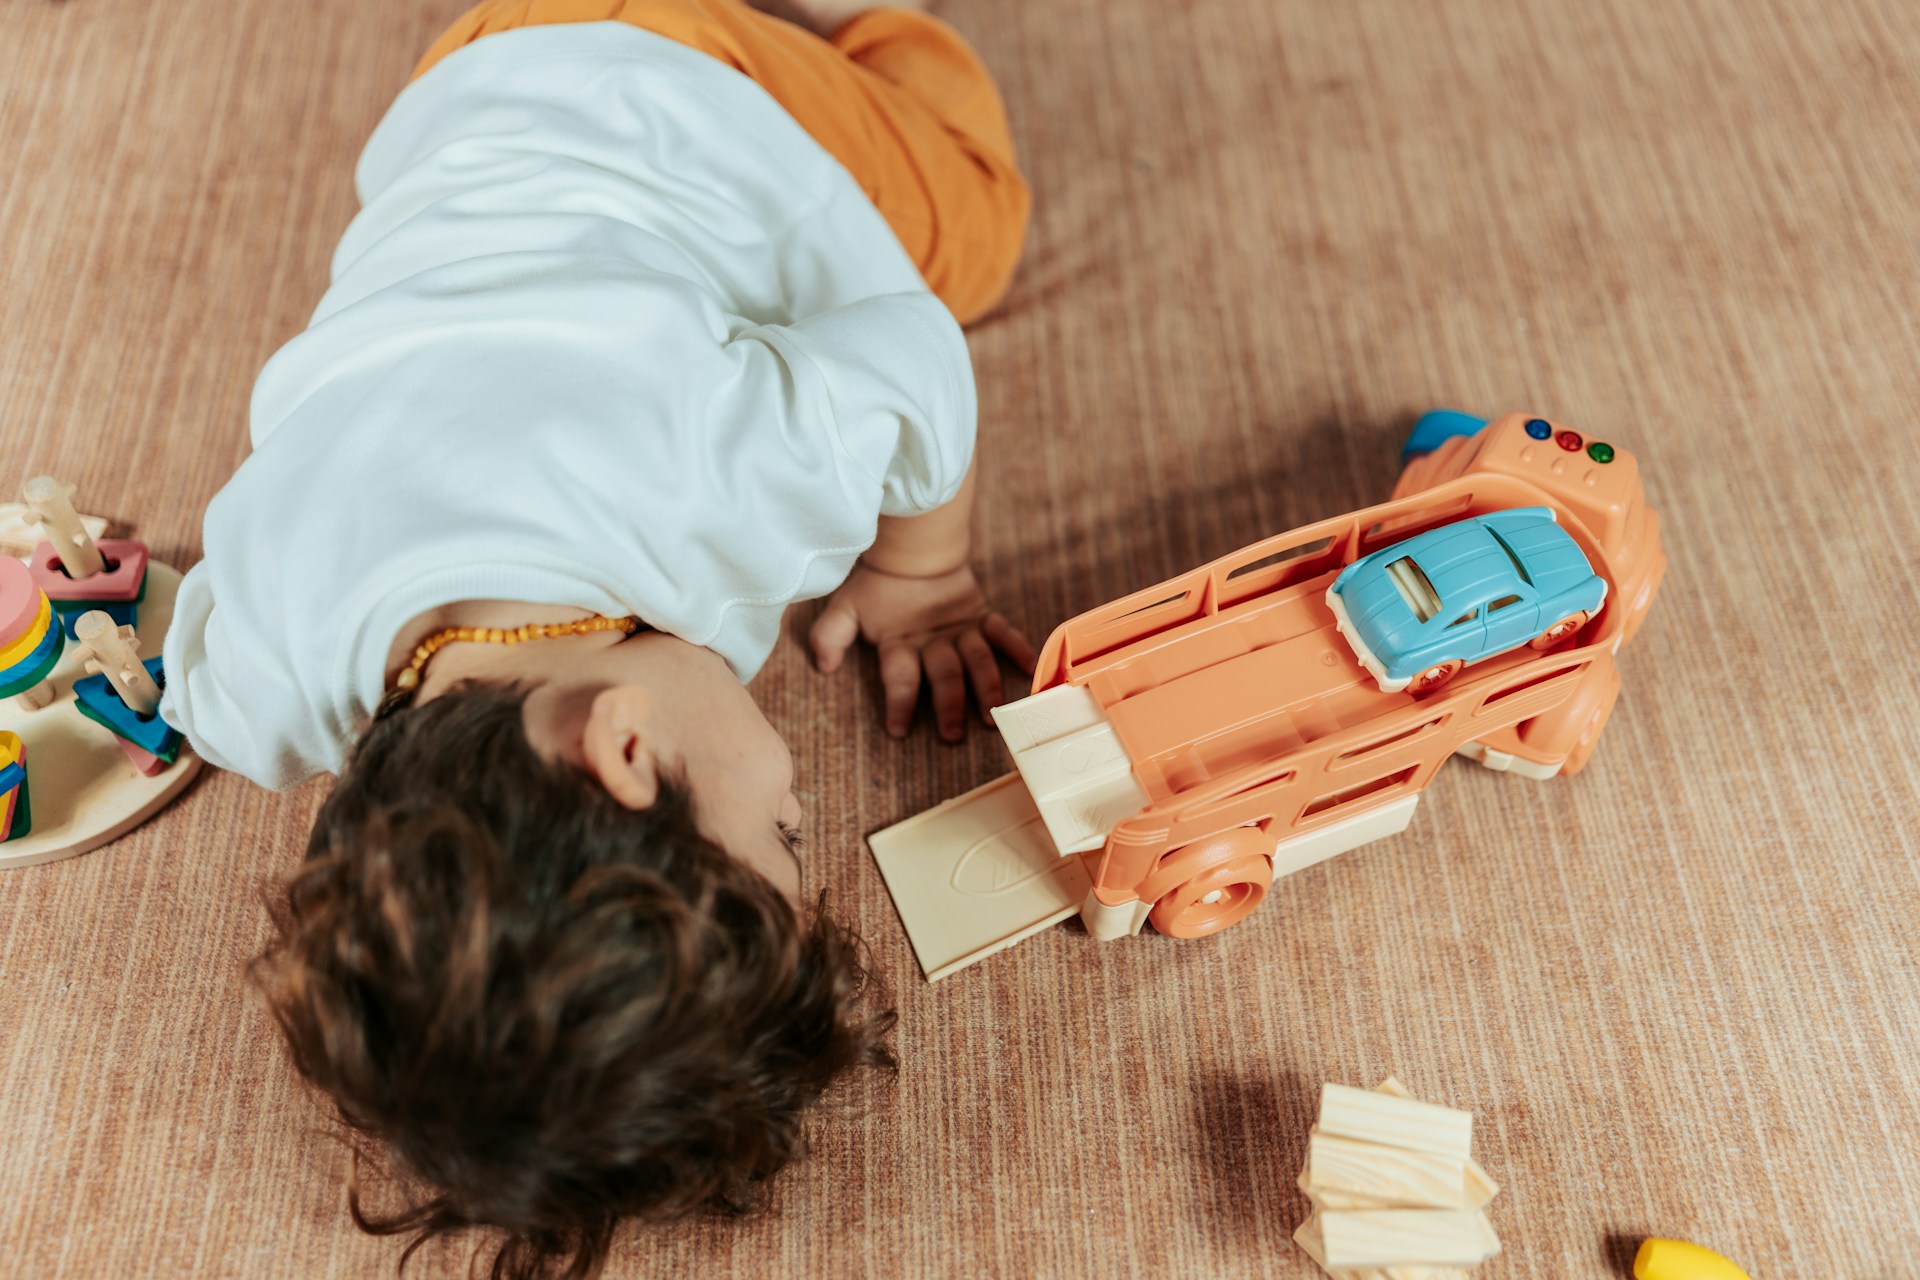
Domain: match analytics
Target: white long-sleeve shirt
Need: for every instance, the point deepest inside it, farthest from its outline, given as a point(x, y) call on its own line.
point(610, 331)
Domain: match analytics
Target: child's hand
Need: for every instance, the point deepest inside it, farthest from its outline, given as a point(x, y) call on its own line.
point(940, 623)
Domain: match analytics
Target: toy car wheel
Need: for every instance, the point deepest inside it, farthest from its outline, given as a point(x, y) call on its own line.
point(1435, 676)
point(1221, 895)
point(1561, 630)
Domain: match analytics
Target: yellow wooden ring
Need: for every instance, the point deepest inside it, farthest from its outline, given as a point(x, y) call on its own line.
point(12, 750)
point(29, 641)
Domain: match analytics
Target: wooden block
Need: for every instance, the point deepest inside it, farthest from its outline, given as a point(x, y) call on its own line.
point(125, 581)
point(29, 638)
point(1345, 1200)
point(49, 504)
point(1361, 1238)
point(19, 811)
point(142, 760)
point(1323, 1198)
point(1307, 1236)
point(19, 536)
point(20, 597)
point(113, 651)
point(13, 778)
point(1335, 1200)
point(1347, 1112)
point(124, 613)
point(152, 735)
point(1392, 1177)
point(1480, 1189)
point(36, 666)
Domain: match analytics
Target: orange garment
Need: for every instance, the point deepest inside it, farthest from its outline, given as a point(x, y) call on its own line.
point(896, 96)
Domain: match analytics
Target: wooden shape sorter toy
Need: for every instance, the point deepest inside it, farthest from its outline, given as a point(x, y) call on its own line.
point(94, 766)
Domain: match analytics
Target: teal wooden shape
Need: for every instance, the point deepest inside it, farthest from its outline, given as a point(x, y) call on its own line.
point(22, 823)
point(125, 613)
point(36, 666)
point(97, 700)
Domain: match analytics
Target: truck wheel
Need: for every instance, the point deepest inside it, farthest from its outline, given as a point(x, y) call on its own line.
point(1433, 677)
point(1582, 752)
point(1571, 730)
point(1589, 739)
point(1221, 895)
point(1560, 630)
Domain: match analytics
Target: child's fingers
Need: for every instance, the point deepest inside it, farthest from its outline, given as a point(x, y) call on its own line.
point(834, 631)
point(900, 678)
point(984, 669)
point(1010, 640)
point(949, 683)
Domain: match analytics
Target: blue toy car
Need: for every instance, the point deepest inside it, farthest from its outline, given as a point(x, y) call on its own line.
point(1418, 612)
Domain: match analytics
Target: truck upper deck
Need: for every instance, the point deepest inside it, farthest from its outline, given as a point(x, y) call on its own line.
point(1300, 684)
point(1240, 661)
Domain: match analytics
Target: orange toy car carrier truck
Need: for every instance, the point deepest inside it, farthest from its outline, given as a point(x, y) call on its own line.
point(1188, 743)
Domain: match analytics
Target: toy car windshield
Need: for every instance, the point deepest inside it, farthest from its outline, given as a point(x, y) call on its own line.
point(1411, 581)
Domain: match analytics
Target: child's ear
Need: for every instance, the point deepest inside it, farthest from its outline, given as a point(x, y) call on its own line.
point(616, 748)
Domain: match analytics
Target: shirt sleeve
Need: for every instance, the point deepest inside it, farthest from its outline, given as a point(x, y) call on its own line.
point(235, 705)
point(892, 377)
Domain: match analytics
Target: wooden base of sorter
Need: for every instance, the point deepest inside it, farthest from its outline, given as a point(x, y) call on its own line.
point(85, 790)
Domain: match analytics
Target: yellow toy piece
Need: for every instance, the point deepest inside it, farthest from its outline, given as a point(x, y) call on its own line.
point(30, 638)
point(1678, 1260)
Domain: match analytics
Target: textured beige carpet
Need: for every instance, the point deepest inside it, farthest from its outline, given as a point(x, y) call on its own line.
point(1679, 991)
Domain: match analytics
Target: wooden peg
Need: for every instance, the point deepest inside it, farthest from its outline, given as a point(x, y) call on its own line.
point(114, 652)
point(35, 698)
point(50, 505)
point(19, 534)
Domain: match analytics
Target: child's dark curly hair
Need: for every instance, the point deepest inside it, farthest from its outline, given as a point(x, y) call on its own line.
point(556, 1011)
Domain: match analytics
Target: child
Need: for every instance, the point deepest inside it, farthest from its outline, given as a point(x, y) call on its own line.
point(638, 337)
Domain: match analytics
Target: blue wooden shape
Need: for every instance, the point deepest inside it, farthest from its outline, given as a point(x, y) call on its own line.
point(173, 739)
point(36, 666)
point(125, 613)
point(22, 822)
point(99, 701)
